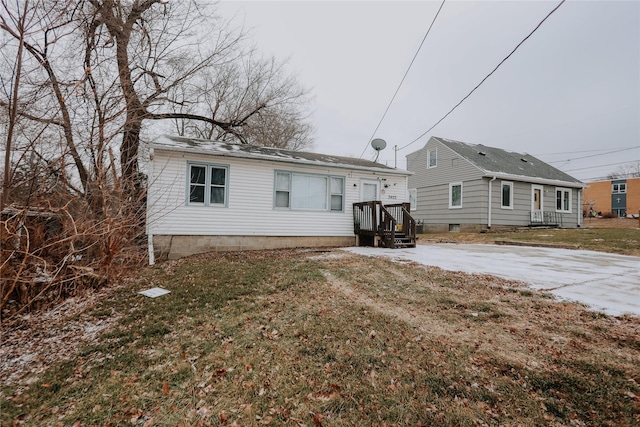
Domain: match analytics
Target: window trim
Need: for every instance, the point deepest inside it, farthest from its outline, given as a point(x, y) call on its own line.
point(510, 185)
point(435, 156)
point(451, 185)
point(413, 195)
point(329, 193)
point(564, 191)
point(207, 184)
point(620, 190)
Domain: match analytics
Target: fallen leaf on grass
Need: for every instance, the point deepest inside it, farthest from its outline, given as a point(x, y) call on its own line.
point(165, 388)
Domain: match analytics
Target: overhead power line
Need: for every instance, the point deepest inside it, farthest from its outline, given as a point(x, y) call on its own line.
point(594, 155)
point(582, 151)
point(403, 77)
point(486, 77)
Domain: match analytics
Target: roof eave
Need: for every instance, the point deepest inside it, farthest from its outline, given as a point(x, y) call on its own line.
point(305, 162)
point(534, 180)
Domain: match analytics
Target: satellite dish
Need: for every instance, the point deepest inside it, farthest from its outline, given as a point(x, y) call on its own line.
point(378, 144)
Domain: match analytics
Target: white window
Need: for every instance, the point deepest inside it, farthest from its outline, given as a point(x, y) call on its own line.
point(413, 198)
point(619, 188)
point(298, 191)
point(506, 195)
point(563, 200)
point(455, 195)
point(432, 158)
point(207, 185)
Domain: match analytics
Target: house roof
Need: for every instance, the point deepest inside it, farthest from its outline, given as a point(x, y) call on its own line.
point(509, 165)
point(245, 151)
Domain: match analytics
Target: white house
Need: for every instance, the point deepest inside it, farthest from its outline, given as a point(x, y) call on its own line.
point(217, 196)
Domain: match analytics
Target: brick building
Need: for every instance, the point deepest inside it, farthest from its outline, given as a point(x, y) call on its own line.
point(618, 196)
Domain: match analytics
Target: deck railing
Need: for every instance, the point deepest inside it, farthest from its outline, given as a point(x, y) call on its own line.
point(374, 220)
point(546, 218)
point(407, 223)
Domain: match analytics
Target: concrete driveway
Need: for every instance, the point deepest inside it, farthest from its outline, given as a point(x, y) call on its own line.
point(604, 282)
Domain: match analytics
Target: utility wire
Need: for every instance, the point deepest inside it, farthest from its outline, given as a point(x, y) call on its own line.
point(486, 77)
point(403, 77)
point(582, 151)
point(594, 155)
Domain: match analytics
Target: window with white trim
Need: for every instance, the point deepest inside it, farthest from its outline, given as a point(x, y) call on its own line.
point(432, 158)
point(619, 188)
point(455, 195)
point(298, 191)
point(208, 184)
point(563, 200)
point(413, 198)
point(506, 195)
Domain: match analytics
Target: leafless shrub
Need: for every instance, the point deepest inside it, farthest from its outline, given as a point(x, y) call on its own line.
point(51, 253)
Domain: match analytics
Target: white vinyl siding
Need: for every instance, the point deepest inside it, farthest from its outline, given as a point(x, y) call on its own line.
point(250, 199)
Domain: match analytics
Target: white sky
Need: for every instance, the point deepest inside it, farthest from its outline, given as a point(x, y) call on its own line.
point(573, 88)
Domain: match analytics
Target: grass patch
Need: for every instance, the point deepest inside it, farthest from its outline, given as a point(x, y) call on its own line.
point(288, 338)
point(625, 241)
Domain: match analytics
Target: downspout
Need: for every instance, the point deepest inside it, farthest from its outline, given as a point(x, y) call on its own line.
point(489, 213)
point(579, 208)
point(150, 178)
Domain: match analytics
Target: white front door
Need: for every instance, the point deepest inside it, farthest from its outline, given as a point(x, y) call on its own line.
point(537, 203)
point(369, 190)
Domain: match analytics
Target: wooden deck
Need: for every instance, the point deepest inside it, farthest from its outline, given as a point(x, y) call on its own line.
point(389, 226)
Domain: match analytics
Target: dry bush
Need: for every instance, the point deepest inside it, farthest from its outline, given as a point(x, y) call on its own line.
point(51, 253)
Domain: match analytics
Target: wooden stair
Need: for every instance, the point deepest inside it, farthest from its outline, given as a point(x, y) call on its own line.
point(390, 226)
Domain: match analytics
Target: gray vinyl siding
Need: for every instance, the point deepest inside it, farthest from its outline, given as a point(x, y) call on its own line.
point(250, 208)
point(433, 204)
point(520, 215)
point(450, 168)
point(432, 186)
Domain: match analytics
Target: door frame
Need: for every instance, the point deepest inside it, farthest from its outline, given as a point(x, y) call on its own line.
point(369, 181)
point(537, 214)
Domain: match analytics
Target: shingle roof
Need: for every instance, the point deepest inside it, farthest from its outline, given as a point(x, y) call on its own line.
point(227, 149)
point(495, 161)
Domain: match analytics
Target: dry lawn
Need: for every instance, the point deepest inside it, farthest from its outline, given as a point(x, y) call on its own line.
point(327, 338)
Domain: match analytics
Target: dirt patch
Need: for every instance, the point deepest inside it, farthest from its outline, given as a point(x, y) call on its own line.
point(611, 223)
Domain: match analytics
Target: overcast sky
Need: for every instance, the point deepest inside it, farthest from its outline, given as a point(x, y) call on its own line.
point(569, 95)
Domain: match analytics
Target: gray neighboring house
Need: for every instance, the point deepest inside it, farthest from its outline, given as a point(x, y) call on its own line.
point(471, 187)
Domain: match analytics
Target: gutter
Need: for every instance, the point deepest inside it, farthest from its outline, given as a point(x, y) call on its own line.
point(489, 213)
point(534, 180)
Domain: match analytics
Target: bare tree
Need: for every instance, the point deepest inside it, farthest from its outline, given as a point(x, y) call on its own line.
point(101, 69)
point(269, 103)
point(628, 170)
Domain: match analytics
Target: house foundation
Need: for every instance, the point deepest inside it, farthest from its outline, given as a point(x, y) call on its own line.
point(174, 247)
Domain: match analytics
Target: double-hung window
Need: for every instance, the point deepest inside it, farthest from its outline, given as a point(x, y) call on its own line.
point(506, 195)
point(563, 200)
point(455, 195)
point(299, 191)
point(208, 184)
